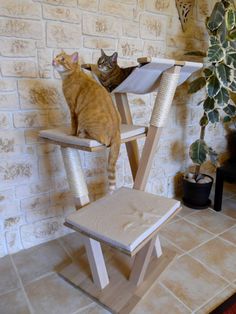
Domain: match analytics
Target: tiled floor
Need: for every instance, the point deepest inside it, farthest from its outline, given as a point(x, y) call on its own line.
point(202, 275)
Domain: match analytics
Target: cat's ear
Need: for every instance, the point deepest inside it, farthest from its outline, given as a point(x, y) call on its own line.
point(114, 57)
point(75, 57)
point(102, 53)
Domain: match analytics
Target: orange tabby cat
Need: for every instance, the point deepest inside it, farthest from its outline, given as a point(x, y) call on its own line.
point(93, 114)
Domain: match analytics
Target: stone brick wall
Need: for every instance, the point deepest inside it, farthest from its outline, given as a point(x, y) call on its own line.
point(34, 195)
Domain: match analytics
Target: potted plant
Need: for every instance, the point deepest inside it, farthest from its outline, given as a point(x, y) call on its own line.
point(218, 77)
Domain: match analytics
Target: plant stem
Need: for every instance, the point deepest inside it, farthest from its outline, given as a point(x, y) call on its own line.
point(202, 136)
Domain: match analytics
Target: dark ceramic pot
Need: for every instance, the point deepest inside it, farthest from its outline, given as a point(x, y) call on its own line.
point(196, 195)
point(231, 144)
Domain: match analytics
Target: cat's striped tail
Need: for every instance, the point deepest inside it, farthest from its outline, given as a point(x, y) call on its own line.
point(112, 159)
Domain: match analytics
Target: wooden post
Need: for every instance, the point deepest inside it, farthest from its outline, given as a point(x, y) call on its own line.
point(166, 92)
point(96, 262)
point(126, 118)
point(75, 176)
point(141, 262)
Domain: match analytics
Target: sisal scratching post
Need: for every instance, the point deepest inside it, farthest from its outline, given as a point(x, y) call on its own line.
point(166, 92)
point(75, 176)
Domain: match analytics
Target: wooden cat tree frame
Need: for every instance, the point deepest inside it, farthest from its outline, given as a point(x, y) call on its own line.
point(118, 289)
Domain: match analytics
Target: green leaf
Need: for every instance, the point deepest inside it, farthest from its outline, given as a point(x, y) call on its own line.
point(209, 104)
point(216, 53)
point(222, 97)
point(227, 119)
point(232, 87)
point(214, 116)
point(198, 152)
point(204, 120)
point(230, 58)
point(225, 74)
point(196, 53)
point(232, 35)
point(213, 40)
point(197, 84)
point(230, 19)
point(217, 17)
point(213, 86)
point(208, 72)
point(230, 110)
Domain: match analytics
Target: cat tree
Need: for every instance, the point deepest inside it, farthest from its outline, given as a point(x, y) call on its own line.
point(127, 221)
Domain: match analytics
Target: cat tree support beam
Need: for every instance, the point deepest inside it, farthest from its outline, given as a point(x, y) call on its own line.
point(122, 103)
point(166, 92)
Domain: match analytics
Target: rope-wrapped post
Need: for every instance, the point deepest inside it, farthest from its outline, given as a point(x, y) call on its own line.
point(166, 92)
point(75, 176)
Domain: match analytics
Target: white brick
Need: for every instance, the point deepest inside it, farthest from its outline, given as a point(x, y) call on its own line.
point(90, 5)
point(8, 140)
point(153, 26)
point(30, 119)
point(47, 212)
point(18, 68)
point(130, 47)
point(161, 6)
point(7, 85)
point(9, 102)
point(130, 28)
point(17, 47)
point(98, 43)
point(41, 231)
point(5, 120)
point(22, 9)
point(40, 94)
point(45, 63)
point(15, 171)
point(154, 48)
point(20, 28)
point(13, 241)
point(65, 14)
point(13, 222)
point(28, 190)
point(34, 203)
point(69, 3)
point(63, 35)
point(115, 8)
point(32, 136)
point(101, 25)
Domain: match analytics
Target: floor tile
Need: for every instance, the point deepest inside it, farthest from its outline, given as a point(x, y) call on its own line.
point(185, 211)
point(169, 245)
point(39, 260)
point(159, 301)
point(216, 301)
point(191, 282)
point(14, 303)
point(93, 309)
point(230, 235)
point(185, 235)
point(229, 207)
point(220, 256)
point(72, 244)
point(52, 294)
point(211, 220)
point(8, 276)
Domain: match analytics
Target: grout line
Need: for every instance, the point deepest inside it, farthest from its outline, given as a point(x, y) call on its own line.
point(22, 287)
point(172, 293)
point(210, 269)
point(212, 298)
point(204, 229)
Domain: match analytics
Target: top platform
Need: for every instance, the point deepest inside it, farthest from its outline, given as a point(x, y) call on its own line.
point(124, 219)
point(145, 77)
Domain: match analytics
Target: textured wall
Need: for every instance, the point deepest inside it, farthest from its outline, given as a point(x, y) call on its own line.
point(34, 194)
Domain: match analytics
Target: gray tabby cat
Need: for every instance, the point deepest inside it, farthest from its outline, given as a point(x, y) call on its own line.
point(109, 73)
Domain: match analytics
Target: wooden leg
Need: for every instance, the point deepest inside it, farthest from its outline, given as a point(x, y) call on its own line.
point(141, 262)
point(157, 250)
point(96, 262)
point(132, 146)
point(75, 176)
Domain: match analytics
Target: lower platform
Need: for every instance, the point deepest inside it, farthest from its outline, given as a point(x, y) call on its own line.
point(120, 296)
